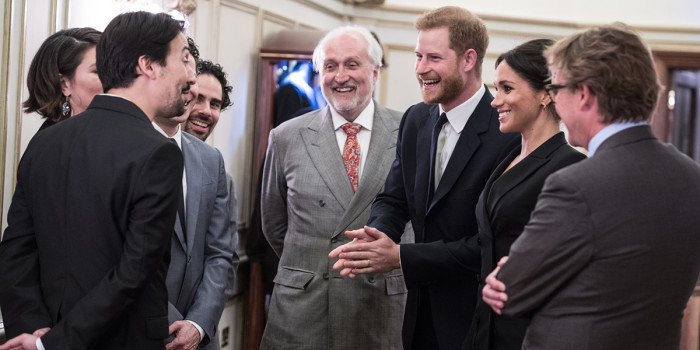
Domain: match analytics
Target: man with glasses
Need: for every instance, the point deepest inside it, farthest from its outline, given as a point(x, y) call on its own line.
point(612, 252)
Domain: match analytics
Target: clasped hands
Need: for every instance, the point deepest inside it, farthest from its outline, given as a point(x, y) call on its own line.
point(370, 251)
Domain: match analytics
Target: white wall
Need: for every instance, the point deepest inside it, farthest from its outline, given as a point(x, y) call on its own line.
point(676, 13)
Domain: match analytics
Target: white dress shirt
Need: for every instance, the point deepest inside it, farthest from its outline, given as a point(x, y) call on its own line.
point(456, 120)
point(365, 119)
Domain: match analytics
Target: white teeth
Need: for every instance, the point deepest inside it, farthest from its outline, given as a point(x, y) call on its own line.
point(502, 114)
point(430, 82)
point(348, 89)
point(200, 124)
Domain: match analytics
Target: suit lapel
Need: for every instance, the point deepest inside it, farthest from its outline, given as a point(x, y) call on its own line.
point(195, 176)
point(521, 171)
point(467, 144)
point(483, 210)
point(322, 146)
point(425, 160)
point(379, 156)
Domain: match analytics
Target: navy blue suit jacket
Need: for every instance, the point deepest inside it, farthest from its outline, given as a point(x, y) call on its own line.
point(445, 258)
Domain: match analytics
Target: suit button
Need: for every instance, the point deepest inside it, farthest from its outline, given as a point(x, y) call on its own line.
point(325, 275)
point(322, 203)
point(478, 240)
point(334, 240)
point(370, 280)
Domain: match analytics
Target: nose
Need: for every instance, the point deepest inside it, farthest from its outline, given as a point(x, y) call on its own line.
point(191, 74)
point(342, 75)
point(205, 109)
point(421, 67)
point(497, 100)
point(194, 90)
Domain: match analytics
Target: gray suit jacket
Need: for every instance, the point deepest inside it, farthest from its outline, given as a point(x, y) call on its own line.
point(201, 257)
point(307, 205)
point(612, 251)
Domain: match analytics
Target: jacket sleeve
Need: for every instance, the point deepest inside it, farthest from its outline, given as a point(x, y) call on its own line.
point(146, 243)
point(21, 298)
point(273, 203)
point(390, 212)
point(209, 298)
point(555, 245)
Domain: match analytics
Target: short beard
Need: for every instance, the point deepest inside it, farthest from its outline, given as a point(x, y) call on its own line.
point(452, 86)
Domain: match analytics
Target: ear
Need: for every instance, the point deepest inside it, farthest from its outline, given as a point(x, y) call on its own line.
point(588, 100)
point(375, 74)
point(146, 67)
point(469, 59)
point(66, 86)
point(545, 99)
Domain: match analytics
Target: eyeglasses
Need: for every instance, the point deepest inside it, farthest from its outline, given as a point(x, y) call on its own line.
point(553, 89)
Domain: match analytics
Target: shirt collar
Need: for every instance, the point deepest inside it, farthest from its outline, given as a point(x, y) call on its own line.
point(177, 137)
point(365, 119)
point(608, 131)
point(459, 115)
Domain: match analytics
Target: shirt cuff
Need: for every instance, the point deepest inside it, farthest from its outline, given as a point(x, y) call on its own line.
point(39, 344)
point(199, 329)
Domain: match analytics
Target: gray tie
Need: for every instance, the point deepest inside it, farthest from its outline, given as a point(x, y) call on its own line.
point(442, 136)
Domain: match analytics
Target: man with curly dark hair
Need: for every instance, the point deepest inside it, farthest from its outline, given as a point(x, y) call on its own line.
point(213, 99)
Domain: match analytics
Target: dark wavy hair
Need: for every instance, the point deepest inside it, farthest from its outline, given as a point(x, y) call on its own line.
point(528, 61)
point(128, 37)
point(59, 54)
point(209, 67)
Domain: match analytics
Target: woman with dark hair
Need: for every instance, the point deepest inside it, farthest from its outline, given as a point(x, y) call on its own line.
point(504, 208)
point(62, 78)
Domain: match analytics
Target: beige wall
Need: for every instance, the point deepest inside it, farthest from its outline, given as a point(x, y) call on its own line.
point(231, 32)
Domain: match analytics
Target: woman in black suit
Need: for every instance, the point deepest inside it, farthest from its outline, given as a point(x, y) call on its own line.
point(511, 192)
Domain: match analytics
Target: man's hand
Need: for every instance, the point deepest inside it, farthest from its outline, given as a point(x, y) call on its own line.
point(371, 251)
point(21, 342)
point(494, 292)
point(40, 332)
point(186, 336)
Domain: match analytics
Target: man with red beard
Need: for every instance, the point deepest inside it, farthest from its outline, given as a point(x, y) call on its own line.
point(447, 147)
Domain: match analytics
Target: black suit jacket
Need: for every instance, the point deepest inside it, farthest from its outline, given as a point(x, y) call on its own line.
point(86, 249)
point(502, 212)
point(443, 260)
point(611, 253)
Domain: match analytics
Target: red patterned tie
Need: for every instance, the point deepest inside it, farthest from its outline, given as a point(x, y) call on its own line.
point(351, 152)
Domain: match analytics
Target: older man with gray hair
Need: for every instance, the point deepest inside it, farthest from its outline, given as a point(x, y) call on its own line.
point(320, 178)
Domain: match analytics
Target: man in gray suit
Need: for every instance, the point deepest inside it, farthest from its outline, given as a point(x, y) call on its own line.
point(212, 99)
point(612, 250)
point(319, 181)
point(201, 251)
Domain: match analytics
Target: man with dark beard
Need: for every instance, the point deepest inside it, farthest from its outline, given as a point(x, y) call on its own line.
point(447, 147)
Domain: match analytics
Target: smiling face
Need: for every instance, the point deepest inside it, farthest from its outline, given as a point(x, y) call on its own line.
point(347, 74)
point(84, 85)
point(175, 77)
point(518, 104)
point(439, 69)
point(207, 107)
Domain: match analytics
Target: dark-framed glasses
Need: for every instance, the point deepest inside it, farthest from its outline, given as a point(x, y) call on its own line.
point(553, 89)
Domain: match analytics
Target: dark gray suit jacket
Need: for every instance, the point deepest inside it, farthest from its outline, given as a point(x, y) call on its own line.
point(203, 256)
point(307, 205)
point(612, 251)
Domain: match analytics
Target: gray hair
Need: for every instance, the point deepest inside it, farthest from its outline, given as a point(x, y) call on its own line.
point(373, 49)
